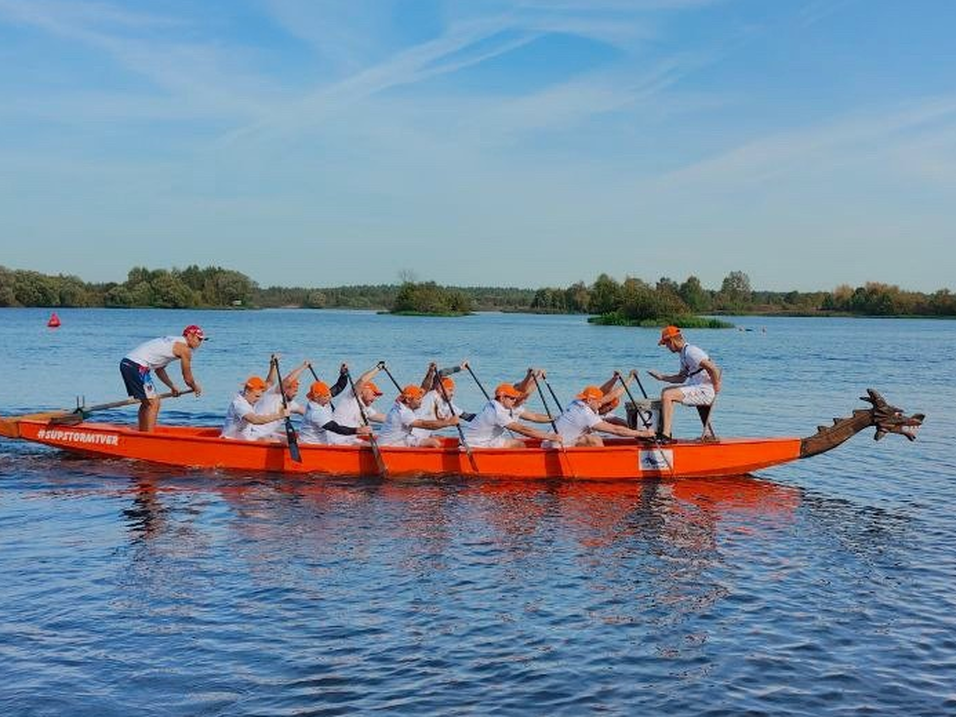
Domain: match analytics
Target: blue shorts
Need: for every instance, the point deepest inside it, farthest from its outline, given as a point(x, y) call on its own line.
point(138, 380)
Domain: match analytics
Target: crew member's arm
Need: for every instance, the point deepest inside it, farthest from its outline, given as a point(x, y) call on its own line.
point(527, 384)
point(273, 369)
point(367, 376)
point(434, 425)
point(530, 432)
point(255, 418)
point(713, 371)
point(431, 377)
point(669, 378)
point(535, 417)
point(342, 382)
point(164, 377)
point(347, 430)
point(185, 355)
point(622, 431)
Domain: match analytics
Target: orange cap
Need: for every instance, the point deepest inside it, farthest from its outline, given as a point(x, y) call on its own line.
point(412, 391)
point(320, 388)
point(372, 387)
point(506, 389)
point(256, 384)
point(668, 333)
point(590, 392)
point(448, 384)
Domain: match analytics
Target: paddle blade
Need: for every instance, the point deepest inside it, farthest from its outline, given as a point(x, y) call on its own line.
point(293, 440)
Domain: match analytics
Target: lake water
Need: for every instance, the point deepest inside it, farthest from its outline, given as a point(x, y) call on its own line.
point(822, 587)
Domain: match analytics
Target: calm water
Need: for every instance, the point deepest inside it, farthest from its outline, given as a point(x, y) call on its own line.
point(822, 587)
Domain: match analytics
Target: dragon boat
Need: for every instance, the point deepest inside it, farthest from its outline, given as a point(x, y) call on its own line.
point(201, 448)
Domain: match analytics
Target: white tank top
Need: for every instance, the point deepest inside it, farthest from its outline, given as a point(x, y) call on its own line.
point(155, 354)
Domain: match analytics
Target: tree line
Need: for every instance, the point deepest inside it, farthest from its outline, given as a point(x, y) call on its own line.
point(629, 301)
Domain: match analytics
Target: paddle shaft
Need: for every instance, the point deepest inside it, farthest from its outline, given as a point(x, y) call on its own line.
point(461, 433)
point(379, 461)
point(564, 448)
point(487, 397)
point(81, 412)
point(390, 376)
point(657, 443)
point(553, 395)
point(290, 433)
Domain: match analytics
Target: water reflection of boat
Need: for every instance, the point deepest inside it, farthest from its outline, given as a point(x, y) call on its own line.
point(196, 447)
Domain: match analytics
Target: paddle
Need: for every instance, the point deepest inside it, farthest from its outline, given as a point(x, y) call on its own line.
point(487, 397)
point(81, 412)
point(564, 449)
point(647, 423)
point(461, 433)
point(551, 391)
point(291, 437)
point(379, 461)
point(381, 365)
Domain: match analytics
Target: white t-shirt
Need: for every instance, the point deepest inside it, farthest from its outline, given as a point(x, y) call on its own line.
point(576, 420)
point(316, 416)
point(236, 425)
point(690, 358)
point(157, 353)
point(271, 402)
point(347, 413)
point(397, 429)
point(488, 426)
point(433, 407)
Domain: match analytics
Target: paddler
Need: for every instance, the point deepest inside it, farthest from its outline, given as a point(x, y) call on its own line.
point(401, 423)
point(138, 365)
point(435, 402)
point(271, 402)
point(577, 423)
point(699, 377)
point(347, 411)
point(487, 429)
point(318, 421)
point(241, 415)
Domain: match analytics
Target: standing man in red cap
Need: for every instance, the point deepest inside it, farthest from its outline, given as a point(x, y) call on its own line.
point(137, 367)
point(699, 378)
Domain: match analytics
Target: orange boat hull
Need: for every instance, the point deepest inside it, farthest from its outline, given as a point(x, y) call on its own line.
point(195, 447)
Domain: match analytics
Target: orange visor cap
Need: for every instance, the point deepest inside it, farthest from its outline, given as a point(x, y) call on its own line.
point(668, 333)
point(256, 384)
point(412, 391)
point(506, 389)
point(590, 393)
point(320, 388)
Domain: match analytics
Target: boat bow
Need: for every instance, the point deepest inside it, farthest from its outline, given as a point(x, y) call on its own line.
point(884, 416)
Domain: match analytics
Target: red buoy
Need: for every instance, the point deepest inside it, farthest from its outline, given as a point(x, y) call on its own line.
point(54, 321)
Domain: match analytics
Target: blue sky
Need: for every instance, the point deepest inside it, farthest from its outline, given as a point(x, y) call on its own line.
point(808, 143)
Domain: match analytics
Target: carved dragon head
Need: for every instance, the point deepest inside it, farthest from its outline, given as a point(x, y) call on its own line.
point(890, 419)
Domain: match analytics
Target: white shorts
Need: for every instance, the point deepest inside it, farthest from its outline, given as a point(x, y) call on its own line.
point(405, 441)
point(701, 394)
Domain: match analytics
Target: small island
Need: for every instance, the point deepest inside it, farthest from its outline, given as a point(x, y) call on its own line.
point(429, 299)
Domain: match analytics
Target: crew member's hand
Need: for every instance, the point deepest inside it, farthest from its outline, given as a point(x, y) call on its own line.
point(286, 412)
point(464, 365)
point(307, 364)
point(175, 391)
point(380, 365)
point(453, 421)
point(554, 438)
point(653, 373)
point(274, 357)
point(432, 366)
point(363, 431)
point(343, 369)
point(197, 389)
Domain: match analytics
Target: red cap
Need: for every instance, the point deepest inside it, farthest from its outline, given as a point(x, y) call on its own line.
point(193, 329)
point(668, 333)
